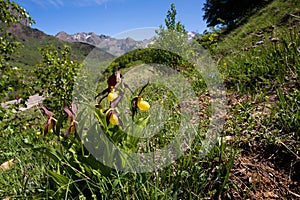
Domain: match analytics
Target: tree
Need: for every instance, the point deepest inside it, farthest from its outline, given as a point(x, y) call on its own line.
point(170, 21)
point(228, 12)
point(11, 78)
point(57, 75)
point(170, 41)
point(10, 13)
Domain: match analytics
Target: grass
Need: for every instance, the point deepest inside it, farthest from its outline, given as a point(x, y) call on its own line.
point(24, 178)
point(256, 157)
point(262, 77)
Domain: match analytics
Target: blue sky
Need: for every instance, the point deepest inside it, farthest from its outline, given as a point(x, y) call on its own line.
point(110, 17)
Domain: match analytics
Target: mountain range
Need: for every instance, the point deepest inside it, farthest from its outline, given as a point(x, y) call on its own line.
point(106, 43)
point(81, 43)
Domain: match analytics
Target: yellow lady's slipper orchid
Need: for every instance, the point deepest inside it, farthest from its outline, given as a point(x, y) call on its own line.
point(112, 96)
point(112, 81)
point(143, 105)
point(138, 102)
point(51, 125)
point(113, 119)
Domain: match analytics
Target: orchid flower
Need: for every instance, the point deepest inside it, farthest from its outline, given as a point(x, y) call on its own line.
point(139, 102)
point(49, 126)
point(71, 118)
point(110, 92)
point(112, 116)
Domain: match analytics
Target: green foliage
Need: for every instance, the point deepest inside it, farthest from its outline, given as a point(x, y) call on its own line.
point(74, 172)
point(170, 39)
point(56, 77)
point(263, 66)
point(171, 23)
point(170, 48)
point(12, 13)
point(10, 76)
point(288, 112)
point(209, 39)
point(32, 40)
point(25, 179)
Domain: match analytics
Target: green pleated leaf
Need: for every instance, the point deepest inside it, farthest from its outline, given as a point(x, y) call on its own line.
point(58, 178)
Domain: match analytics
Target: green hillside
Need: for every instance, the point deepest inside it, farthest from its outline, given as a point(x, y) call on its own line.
point(28, 55)
point(33, 39)
point(277, 14)
point(260, 64)
point(263, 50)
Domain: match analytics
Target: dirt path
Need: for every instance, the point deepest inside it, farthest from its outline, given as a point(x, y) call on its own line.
point(32, 101)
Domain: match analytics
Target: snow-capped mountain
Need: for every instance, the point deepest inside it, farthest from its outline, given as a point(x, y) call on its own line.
point(109, 44)
point(106, 43)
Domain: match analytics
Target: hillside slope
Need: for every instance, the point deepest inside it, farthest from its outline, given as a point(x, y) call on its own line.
point(33, 39)
point(260, 64)
point(276, 18)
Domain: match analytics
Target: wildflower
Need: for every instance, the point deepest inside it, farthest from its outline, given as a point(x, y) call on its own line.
point(260, 42)
point(112, 95)
point(143, 105)
point(71, 118)
point(110, 91)
point(139, 102)
point(274, 39)
point(292, 44)
point(49, 126)
point(112, 116)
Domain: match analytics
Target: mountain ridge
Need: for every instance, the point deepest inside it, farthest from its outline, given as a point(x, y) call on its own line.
point(107, 43)
point(32, 39)
point(82, 44)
